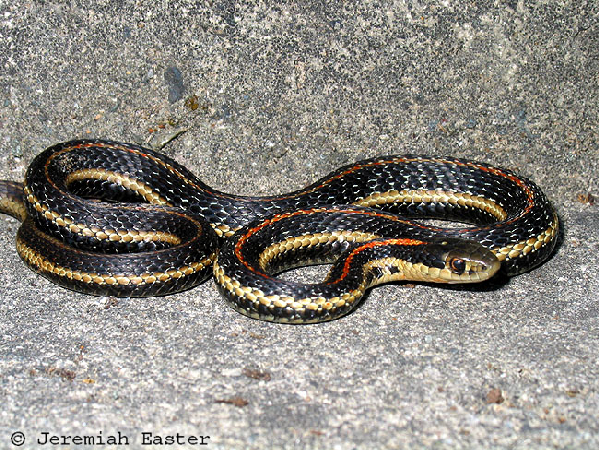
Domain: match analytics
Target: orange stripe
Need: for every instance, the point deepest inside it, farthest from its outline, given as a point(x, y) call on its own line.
point(373, 244)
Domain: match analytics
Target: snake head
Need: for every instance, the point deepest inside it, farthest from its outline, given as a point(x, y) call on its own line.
point(464, 261)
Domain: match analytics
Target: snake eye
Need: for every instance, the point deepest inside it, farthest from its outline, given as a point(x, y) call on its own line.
point(457, 265)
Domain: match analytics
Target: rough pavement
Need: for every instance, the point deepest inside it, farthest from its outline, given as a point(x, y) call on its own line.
point(272, 97)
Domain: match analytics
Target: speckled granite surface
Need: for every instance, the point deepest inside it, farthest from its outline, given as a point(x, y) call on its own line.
point(272, 97)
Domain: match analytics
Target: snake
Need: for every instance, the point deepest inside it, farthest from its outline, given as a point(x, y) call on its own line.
point(117, 219)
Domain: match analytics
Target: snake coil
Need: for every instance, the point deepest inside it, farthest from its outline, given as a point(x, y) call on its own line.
point(107, 218)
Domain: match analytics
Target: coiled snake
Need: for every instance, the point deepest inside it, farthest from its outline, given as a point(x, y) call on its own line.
point(107, 218)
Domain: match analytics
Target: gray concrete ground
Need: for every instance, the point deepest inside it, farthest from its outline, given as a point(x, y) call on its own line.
point(274, 96)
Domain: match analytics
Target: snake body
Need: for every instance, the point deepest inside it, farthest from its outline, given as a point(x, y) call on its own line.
point(108, 218)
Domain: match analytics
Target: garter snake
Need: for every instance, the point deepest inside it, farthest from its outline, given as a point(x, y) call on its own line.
point(108, 218)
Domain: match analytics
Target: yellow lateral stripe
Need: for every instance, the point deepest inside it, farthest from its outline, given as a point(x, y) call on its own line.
point(434, 196)
point(93, 231)
point(132, 184)
point(309, 240)
point(531, 244)
point(44, 265)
